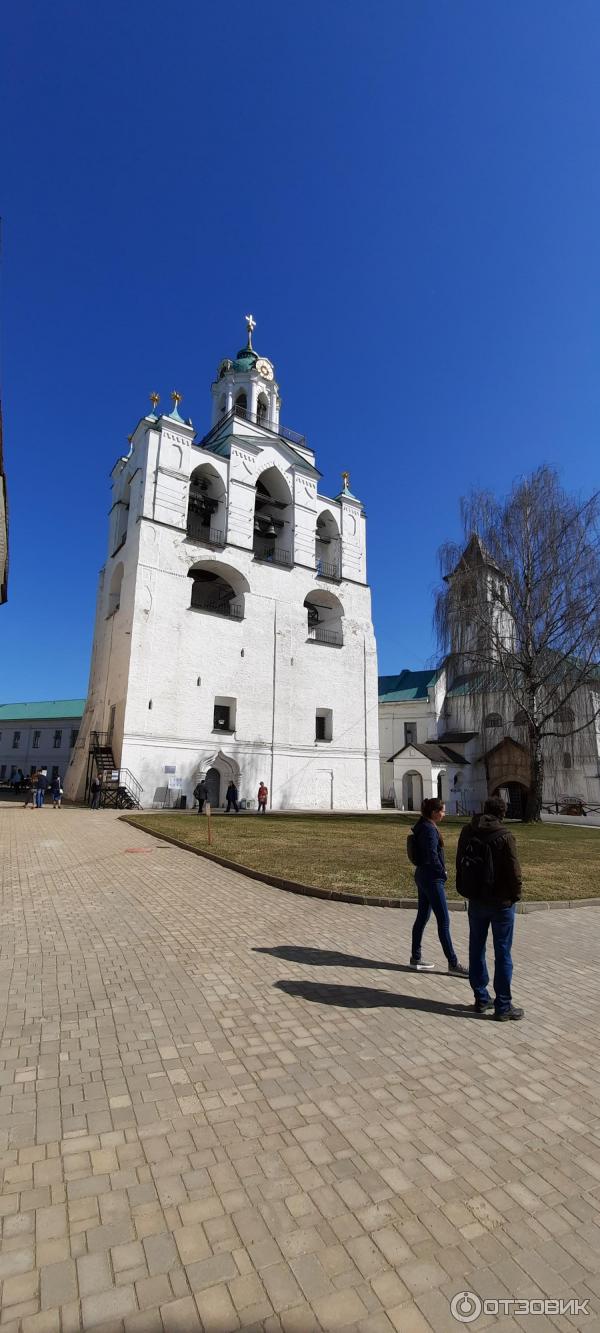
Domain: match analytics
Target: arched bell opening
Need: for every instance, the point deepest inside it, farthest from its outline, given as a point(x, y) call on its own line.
point(207, 506)
point(273, 518)
point(217, 589)
point(324, 614)
point(327, 546)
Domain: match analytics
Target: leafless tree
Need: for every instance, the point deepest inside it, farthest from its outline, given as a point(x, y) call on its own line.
point(518, 618)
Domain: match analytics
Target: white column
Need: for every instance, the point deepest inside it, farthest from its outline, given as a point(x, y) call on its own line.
point(253, 400)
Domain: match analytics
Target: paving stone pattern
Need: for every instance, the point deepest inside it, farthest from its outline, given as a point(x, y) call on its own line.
point(197, 1134)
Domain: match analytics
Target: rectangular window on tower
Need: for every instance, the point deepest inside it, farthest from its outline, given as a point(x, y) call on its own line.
point(57, 739)
point(324, 724)
point(410, 733)
point(36, 740)
point(16, 740)
point(224, 714)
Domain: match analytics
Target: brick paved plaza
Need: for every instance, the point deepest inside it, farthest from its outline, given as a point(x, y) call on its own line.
point(223, 1106)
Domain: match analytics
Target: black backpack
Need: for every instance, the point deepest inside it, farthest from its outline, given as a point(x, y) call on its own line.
point(411, 848)
point(477, 866)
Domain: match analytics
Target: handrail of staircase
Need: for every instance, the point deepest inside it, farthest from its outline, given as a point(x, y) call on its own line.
point(133, 787)
point(99, 740)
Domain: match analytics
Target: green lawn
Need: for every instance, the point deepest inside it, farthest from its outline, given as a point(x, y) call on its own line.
point(368, 855)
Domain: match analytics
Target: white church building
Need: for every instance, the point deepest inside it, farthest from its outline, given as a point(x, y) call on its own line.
point(233, 636)
point(435, 742)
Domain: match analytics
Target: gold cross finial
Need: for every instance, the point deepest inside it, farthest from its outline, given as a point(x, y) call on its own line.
point(176, 398)
point(346, 480)
point(155, 400)
point(250, 325)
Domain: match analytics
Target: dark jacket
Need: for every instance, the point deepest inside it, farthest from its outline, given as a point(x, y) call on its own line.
point(430, 850)
point(41, 782)
point(508, 879)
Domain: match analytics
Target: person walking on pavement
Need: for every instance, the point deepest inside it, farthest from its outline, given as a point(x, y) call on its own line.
point(231, 796)
point(57, 792)
point(200, 794)
point(263, 793)
point(95, 791)
point(427, 845)
point(488, 874)
point(41, 783)
point(30, 793)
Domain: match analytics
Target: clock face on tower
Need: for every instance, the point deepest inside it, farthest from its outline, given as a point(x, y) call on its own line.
point(264, 368)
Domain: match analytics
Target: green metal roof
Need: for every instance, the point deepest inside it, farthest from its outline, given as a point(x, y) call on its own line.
point(245, 360)
point(408, 685)
point(47, 708)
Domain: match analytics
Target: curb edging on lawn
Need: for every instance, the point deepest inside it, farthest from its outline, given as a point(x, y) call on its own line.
point(360, 900)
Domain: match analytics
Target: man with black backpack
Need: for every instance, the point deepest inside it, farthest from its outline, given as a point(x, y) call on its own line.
point(489, 875)
point(200, 794)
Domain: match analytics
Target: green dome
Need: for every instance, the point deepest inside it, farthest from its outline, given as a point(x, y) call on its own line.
point(245, 360)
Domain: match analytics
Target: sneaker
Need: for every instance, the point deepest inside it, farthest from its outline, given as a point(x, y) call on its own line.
point(482, 1006)
point(508, 1014)
point(420, 966)
point(458, 970)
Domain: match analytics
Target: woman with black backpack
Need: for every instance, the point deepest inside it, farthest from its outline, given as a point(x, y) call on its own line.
point(425, 847)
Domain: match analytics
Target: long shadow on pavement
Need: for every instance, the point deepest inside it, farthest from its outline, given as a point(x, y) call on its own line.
point(368, 997)
point(297, 953)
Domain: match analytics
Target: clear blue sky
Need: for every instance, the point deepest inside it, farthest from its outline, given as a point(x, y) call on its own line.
point(405, 194)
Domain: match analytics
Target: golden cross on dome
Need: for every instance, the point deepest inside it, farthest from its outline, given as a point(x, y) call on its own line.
point(250, 325)
point(155, 400)
point(176, 398)
point(346, 480)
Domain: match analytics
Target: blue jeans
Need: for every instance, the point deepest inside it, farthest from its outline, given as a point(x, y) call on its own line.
point(39, 798)
point(432, 898)
point(502, 921)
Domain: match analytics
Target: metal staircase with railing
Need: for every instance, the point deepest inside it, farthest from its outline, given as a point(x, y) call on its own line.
point(119, 789)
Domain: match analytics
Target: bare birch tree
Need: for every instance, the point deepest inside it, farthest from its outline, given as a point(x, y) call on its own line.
point(518, 618)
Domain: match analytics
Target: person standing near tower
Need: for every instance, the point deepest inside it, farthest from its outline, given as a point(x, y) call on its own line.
point(231, 796)
point(430, 878)
point(488, 874)
point(41, 784)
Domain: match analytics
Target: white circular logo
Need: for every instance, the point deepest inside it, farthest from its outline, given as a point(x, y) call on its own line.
point(466, 1307)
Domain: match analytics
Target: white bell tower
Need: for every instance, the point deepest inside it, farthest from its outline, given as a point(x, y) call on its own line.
point(247, 387)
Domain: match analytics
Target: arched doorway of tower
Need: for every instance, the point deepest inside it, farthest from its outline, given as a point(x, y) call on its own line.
point(213, 788)
point(218, 770)
point(412, 791)
point(515, 794)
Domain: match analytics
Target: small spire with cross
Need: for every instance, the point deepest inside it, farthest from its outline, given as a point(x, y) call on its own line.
point(346, 481)
point(155, 400)
point(176, 399)
point(250, 325)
